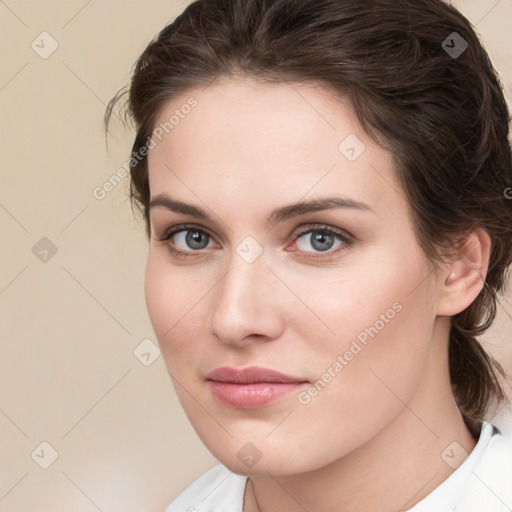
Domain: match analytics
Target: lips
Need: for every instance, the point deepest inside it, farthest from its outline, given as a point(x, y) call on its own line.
point(251, 388)
point(250, 375)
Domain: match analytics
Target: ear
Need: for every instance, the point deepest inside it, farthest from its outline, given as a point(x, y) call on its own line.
point(463, 278)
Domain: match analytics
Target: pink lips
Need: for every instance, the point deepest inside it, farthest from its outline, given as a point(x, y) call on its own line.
point(251, 387)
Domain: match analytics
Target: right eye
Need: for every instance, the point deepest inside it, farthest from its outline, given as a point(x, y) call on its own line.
point(185, 240)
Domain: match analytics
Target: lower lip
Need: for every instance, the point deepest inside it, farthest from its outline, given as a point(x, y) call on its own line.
point(252, 396)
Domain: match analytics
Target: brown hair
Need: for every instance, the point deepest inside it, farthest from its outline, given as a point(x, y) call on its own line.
point(440, 112)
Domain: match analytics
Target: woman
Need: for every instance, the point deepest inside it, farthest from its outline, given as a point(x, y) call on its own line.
point(323, 184)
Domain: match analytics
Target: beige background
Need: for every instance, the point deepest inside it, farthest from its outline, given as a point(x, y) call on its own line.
point(70, 325)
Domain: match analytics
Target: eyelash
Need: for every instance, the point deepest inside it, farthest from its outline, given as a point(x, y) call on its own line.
point(347, 241)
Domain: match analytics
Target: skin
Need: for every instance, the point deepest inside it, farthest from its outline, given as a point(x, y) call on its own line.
point(372, 439)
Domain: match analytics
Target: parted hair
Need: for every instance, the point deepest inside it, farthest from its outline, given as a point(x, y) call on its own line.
point(418, 91)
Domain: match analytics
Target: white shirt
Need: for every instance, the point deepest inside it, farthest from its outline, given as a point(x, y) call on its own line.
point(482, 483)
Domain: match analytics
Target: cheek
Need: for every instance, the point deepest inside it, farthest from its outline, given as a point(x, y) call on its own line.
point(380, 322)
point(156, 284)
point(173, 305)
point(369, 297)
point(363, 375)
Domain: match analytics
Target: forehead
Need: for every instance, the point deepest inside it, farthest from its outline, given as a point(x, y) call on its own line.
point(272, 142)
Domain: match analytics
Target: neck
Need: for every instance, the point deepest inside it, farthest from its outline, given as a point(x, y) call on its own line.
point(394, 471)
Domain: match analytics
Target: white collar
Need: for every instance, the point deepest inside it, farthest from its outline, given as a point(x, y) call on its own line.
point(445, 497)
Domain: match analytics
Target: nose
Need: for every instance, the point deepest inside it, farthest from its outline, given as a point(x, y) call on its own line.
point(246, 304)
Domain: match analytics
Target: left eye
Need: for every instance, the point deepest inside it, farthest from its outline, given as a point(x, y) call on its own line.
point(321, 240)
point(192, 239)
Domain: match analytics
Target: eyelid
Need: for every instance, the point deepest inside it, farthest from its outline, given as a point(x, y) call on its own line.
point(324, 227)
point(347, 238)
point(310, 226)
point(177, 228)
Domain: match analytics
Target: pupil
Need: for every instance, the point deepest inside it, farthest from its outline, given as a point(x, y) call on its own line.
point(321, 237)
point(194, 238)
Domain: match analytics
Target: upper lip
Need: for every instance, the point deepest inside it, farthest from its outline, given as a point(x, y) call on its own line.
point(250, 375)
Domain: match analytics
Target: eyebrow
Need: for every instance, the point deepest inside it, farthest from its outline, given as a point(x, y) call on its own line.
point(277, 215)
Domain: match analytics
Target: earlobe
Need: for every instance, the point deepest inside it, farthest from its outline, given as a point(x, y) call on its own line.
point(464, 277)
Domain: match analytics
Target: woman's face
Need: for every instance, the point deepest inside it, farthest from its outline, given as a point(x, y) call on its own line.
point(339, 297)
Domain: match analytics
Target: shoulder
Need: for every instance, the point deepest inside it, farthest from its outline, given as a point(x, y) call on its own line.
point(217, 489)
point(497, 460)
point(490, 481)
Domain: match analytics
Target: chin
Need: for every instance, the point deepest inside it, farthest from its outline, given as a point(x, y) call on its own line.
point(278, 463)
